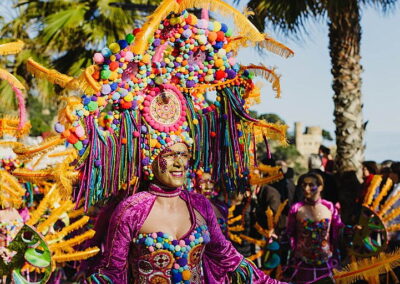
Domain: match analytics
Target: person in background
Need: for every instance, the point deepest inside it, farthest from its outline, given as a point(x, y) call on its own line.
point(369, 169)
point(330, 192)
point(327, 160)
point(313, 228)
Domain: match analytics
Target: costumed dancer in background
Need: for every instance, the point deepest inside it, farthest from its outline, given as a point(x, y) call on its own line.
point(156, 80)
point(313, 228)
point(207, 187)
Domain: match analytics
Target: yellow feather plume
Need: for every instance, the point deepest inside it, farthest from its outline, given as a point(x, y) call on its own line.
point(11, 79)
point(25, 153)
point(33, 176)
point(235, 238)
point(255, 256)
point(74, 241)
point(279, 211)
point(390, 217)
point(84, 83)
point(388, 204)
point(237, 228)
point(55, 215)
point(43, 205)
point(11, 47)
point(235, 219)
point(267, 74)
point(376, 181)
point(366, 268)
point(270, 218)
point(66, 230)
point(10, 125)
point(6, 178)
point(80, 255)
point(393, 228)
point(260, 243)
point(382, 193)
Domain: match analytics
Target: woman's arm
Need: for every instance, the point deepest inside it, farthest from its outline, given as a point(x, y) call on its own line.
point(113, 266)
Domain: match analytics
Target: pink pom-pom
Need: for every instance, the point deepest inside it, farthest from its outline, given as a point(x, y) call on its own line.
point(151, 249)
point(136, 134)
point(128, 56)
point(98, 58)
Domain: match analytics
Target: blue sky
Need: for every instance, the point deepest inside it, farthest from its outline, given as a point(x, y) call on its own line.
point(306, 81)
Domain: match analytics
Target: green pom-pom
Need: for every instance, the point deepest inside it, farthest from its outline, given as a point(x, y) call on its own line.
point(129, 38)
point(92, 106)
point(78, 145)
point(105, 74)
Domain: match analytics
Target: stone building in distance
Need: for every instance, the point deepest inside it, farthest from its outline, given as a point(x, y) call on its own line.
point(307, 142)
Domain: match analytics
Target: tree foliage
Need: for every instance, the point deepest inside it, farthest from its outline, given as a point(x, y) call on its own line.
point(61, 34)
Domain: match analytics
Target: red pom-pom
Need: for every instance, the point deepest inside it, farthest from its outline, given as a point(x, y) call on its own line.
point(213, 134)
point(135, 31)
point(126, 105)
point(136, 134)
point(220, 75)
point(72, 138)
point(220, 36)
point(114, 65)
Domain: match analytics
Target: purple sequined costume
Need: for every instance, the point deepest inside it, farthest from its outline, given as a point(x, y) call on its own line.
point(313, 243)
point(214, 257)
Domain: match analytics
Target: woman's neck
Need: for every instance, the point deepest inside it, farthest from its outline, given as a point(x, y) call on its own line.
point(313, 201)
point(164, 191)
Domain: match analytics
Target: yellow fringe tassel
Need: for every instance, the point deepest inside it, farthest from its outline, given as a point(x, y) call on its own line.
point(366, 268)
point(376, 181)
point(268, 74)
point(11, 79)
point(80, 255)
point(11, 47)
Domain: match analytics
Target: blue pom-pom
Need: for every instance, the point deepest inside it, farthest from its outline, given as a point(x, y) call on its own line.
point(224, 28)
point(122, 43)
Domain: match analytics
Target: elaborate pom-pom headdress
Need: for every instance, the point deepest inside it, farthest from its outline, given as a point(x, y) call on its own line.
point(149, 91)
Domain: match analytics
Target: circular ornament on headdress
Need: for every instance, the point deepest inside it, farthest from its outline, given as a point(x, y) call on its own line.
point(165, 108)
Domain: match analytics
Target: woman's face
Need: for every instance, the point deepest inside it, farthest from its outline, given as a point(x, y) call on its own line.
point(171, 165)
point(365, 172)
point(206, 184)
point(311, 189)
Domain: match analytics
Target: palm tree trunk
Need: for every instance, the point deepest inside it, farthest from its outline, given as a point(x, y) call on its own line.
point(344, 45)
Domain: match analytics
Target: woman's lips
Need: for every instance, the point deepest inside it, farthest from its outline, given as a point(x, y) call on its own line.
point(177, 174)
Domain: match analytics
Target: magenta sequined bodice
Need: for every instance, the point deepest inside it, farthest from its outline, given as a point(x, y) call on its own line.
point(313, 246)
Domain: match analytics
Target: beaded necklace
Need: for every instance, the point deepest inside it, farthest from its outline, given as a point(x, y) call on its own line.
point(164, 191)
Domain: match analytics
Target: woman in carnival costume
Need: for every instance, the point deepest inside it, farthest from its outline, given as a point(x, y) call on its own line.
point(159, 130)
point(206, 186)
point(313, 228)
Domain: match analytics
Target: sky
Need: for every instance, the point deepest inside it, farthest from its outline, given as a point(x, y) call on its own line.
point(306, 81)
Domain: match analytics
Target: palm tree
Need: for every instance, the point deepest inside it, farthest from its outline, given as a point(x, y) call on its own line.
point(65, 34)
point(343, 18)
